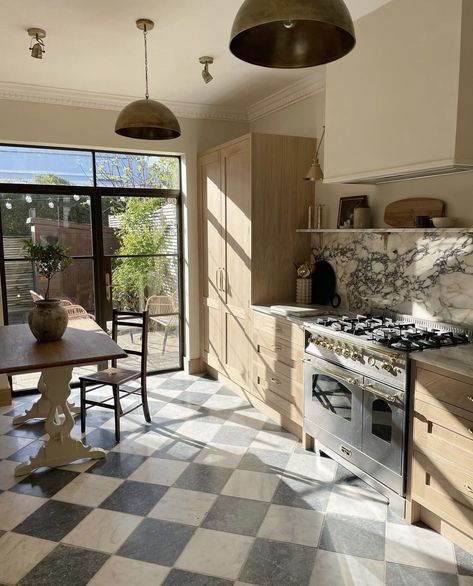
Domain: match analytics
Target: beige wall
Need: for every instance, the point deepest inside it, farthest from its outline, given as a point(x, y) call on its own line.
point(47, 124)
point(296, 120)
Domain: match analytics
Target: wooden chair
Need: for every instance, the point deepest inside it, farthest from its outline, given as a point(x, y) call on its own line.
point(116, 377)
point(167, 306)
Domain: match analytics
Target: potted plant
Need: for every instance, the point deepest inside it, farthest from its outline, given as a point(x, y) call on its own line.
point(48, 319)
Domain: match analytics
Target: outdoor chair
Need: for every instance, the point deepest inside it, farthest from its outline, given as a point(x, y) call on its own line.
point(116, 377)
point(162, 310)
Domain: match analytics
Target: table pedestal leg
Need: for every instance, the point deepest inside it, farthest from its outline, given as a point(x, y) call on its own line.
point(61, 448)
point(40, 409)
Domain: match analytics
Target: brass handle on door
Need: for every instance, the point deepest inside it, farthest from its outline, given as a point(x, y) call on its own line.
point(221, 280)
point(468, 488)
point(108, 287)
point(275, 380)
point(470, 398)
point(217, 274)
point(469, 430)
point(378, 393)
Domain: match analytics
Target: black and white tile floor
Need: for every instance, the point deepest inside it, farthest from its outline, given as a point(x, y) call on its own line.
point(211, 493)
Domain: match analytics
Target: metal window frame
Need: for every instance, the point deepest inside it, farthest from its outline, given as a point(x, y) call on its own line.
point(95, 193)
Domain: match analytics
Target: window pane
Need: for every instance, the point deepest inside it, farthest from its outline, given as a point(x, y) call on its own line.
point(46, 220)
point(332, 395)
point(128, 170)
point(382, 420)
point(45, 166)
point(139, 225)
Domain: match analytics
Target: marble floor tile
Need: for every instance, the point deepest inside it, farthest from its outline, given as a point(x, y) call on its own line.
point(19, 554)
point(10, 445)
point(303, 494)
point(419, 546)
point(102, 438)
point(176, 449)
point(249, 417)
point(353, 536)
point(199, 431)
point(88, 489)
point(117, 465)
point(14, 508)
point(135, 498)
point(267, 461)
point(176, 384)
point(465, 580)
point(7, 474)
point(157, 542)
point(204, 478)
point(141, 444)
point(6, 424)
point(234, 434)
point(174, 412)
point(33, 429)
point(127, 572)
point(226, 456)
point(333, 569)
point(64, 566)
point(192, 396)
point(27, 452)
point(45, 482)
point(102, 530)
point(292, 525)
point(183, 506)
point(400, 575)
point(235, 515)
point(215, 553)
point(223, 402)
point(158, 471)
point(464, 561)
point(357, 501)
point(267, 440)
point(127, 424)
point(53, 520)
point(183, 578)
point(311, 467)
point(273, 563)
point(251, 485)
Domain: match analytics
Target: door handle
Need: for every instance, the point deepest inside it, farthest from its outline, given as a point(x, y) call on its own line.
point(221, 280)
point(217, 276)
point(350, 381)
point(108, 287)
point(387, 396)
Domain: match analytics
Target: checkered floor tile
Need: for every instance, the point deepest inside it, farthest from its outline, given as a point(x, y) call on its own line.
point(211, 493)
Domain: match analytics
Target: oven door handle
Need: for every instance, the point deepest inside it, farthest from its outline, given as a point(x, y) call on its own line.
point(378, 393)
point(350, 381)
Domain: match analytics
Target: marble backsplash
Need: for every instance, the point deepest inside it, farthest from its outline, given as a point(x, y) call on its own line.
point(426, 274)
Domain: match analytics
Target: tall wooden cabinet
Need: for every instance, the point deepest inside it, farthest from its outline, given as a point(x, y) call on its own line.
point(252, 200)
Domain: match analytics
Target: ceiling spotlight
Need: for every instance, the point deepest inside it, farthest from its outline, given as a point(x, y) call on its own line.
point(37, 44)
point(147, 119)
point(206, 61)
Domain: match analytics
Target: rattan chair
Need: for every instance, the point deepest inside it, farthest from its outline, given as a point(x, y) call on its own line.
point(162, 310)
point(117, 377)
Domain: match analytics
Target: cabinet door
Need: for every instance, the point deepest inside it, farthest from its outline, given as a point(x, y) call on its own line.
point(212, 258)
point(236, 187)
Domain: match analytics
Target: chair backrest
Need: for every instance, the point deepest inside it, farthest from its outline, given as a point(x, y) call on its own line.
point(162, 304)
point(130, 322)
point(76, 312)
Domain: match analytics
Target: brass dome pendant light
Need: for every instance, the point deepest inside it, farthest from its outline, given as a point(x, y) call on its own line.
point(147, 119)
point(290, 34)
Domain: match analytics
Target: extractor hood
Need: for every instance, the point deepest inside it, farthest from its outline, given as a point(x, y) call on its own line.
point(400, 106)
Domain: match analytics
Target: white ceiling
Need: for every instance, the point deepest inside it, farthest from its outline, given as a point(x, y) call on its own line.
point(94, 46)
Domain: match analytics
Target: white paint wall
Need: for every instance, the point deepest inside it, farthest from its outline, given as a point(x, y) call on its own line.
point(51, 125)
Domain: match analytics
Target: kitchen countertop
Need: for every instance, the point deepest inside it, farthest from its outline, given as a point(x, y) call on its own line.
point(299, 320)
point(454, 359)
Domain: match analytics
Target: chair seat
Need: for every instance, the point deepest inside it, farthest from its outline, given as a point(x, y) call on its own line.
point(112, 376)
point(164, 320)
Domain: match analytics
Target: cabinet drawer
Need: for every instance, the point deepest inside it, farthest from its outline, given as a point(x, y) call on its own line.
point(295, 373)
point(283, 386)
point(278, 328)
point(283, 404)
point(443, 391)
point(444, 489)
point(439, 432)
point(280, 350)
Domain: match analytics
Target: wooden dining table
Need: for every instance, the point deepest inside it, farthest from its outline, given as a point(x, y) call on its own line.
point(82, 344)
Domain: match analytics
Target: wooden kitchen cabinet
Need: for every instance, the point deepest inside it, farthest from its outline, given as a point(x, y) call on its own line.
point(440, 487)
point(252, 199)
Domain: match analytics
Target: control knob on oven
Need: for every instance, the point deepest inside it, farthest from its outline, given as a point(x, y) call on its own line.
point(355, 355)
point(338, 350)
point(388, 366)
point(346, 352)
point(371, 360)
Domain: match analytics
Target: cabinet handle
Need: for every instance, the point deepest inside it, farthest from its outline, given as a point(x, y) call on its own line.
point(222, 280)
point(275, 380)
point(469, 430)
point(277, 348)
point(470, 398)
point(217, 273)
point(468, 488)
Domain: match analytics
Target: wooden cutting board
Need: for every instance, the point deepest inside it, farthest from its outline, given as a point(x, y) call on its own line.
point(402, 213)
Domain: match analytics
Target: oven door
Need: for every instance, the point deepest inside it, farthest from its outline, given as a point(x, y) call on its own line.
point(333, 399)
point(383, 424)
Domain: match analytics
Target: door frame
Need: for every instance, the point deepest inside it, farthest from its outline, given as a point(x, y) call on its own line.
point(95, 194)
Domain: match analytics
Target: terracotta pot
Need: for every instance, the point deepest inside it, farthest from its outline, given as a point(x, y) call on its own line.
point(48, 320)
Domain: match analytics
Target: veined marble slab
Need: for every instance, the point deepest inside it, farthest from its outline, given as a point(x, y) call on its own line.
point(426, 274)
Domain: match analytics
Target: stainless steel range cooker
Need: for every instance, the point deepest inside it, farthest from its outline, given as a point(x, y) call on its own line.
point(356, 380)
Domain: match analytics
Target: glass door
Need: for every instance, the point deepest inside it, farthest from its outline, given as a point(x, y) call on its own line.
point(140, 262)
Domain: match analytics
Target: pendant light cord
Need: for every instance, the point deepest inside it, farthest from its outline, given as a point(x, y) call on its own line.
point(145, 33)
point(320, 143)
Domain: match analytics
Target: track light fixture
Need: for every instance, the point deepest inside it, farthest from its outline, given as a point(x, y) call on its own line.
point(206, 61)
point(37, 44)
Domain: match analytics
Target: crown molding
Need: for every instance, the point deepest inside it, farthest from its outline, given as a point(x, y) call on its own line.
point(100, 101)
point(82, 99)
point(302, 89)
